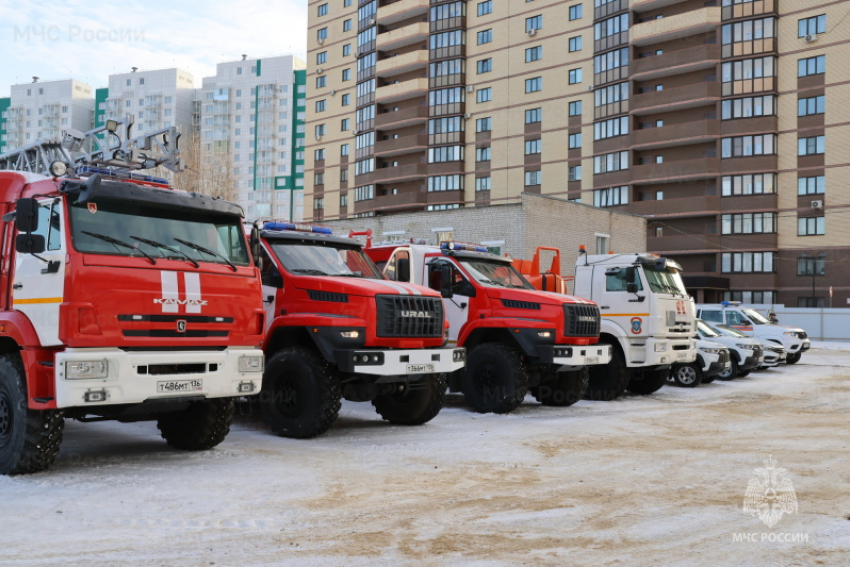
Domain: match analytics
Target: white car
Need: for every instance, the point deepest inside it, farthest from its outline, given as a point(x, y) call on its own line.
point(712, 360)
point(754, 324)
point(747, 353)
point(774, 354)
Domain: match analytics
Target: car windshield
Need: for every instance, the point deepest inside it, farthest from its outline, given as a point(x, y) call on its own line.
point(756, 317)
point(705, 330)
point(121, 228)
point(325, 259)
point(665, 281)
point(730, 332)
point(497, 274)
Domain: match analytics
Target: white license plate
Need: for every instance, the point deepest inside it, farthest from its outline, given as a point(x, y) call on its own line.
point(420, 368)
point(177, 386)
point(591, 360)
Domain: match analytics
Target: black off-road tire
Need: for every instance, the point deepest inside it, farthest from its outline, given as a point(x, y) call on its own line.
point(29, 439)
point(687, 375)
point(793, 358)
point(495, 379)
point(301, 393)
point(413, 406)
point(708, 380)
point(608, 381)
point(562, 389)
point(650, 382)
point(730, 374)
point(201, 426)
point(744, 373)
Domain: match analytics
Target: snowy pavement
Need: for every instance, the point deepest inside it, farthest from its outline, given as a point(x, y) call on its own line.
point(658, 480)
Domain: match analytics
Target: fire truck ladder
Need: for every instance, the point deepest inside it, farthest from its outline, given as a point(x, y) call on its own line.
point(102, 147)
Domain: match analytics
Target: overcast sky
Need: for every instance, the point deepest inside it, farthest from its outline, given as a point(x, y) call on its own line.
point(89, 41)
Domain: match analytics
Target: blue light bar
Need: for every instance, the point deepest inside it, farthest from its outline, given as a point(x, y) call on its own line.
point(463, 246)
point(298, 227)
point(105, 172)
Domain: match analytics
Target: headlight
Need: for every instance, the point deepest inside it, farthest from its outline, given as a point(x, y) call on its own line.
point(86, 369)
point(790, 333)
point(660, 347)
point(745, 347)
point(544, 334)
point(712, 350)
point(250, 364)
point(350, 334)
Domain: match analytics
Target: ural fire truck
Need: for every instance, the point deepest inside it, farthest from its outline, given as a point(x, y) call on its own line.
point(518, 339)
point(647, 315)
point(120, 299)
point(339, 329)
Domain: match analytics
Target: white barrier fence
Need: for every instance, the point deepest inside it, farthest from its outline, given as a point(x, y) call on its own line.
point(820, 324)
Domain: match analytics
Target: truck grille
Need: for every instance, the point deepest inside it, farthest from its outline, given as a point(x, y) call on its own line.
point(409, 316)
point(514, 304)
point(758, 352)
point(317, 295)
point(581, 320)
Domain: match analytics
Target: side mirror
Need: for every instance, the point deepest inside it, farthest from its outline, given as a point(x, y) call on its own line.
point(631, 275)
point(254, 243)
point(26, 215)
point(402, 269)
point(446, 281)
point(631, 287)
point(90, 189)
point(29, 243)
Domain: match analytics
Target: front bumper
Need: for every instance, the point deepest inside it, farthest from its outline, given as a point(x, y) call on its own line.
point(801, 346)
point(135, 377)
point(774, 359)
point(576, 356)
point(644, 353)
point(390, 362)
point(752, 362)
point(716, 368)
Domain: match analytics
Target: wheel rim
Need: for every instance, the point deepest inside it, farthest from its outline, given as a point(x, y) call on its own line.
point(289, 397)
point(687, 375)
point(6, 419)
point(727, 373)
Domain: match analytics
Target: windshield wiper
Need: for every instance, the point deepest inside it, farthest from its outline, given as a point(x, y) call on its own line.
point(115, 242)
point(491, 282)
point(200, 248)
point(348, 275)
point(158, 245)
point(310, 271)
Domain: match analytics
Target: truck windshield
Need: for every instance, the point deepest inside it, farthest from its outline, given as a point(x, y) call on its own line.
point(730, 332)
point(498, 274)
point(755, 317)
point(705, 330)
point(121, 228)
point(665, 281)
point(320, 259)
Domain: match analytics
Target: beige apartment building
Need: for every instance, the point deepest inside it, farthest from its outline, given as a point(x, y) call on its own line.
point(726, 123)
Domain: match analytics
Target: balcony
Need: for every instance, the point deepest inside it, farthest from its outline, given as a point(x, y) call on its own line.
point(403, 145)
point(676, 27)
point(402, 10)
point(674, 171)
point(679, 98)
point(401, 91)
point(401, 118)
point(677, 207)
point(401, 64)
point(401, 37)
point(677, 62)
point(399, 174)
point(677, 243)
point(406, 200)
point(687, 133)
point(648, 5)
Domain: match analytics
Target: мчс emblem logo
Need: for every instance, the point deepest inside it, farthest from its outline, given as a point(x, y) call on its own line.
point(770, 495)
point(637, 323)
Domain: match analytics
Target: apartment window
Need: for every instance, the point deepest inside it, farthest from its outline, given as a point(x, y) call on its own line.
point(320, 130)
point(451, 39)
point(364, 141)
point(575, 12)
point(446, 207)
point(485, 65)
point(345, 124)
point(811, 66)
point(575, 76)
point(483, 124)
point(811, 226)
point(611, 26)
point(575, 141)
point(484, 95)
point(575, 108)
point(810, 106)
point(744, 146)
point(364, 193)
point(811, 146)
point(446, 12)
point(611, 162)
point(612, 197)
point(611, 60)
point(343, 175)
point(811, 266)
point(346, 50)
point(749, 75)
point(346, 3)
point(319, 155)
point(748, 37)
point(575, 43)
point(610, 94)
point(574, 173)
point(748, 223)
point(749, 297)
point(482, 183)
point(533, 115)
point(533, 23)
point(445, 125)
point(533, 146)
point(445, 183)
point(346, 74)
point(611, 128)
point(445, 154)
point(485, 36)
point(323, 10)
point(319, 202)
point(755, 184)
point(364, 166)
point(321, 82)
point(345, 100)
point(343, 150)
point(811, 26)
point(321, 105)
point(533, 85)
point(749, 107)
point(532, 178)
point(811, 185)
point(482, 154)
point(318, 179)
point(346, 25)
point(321, 58)
point(533, 54)
point(485, 8)
point(736, 262)
point(321, 35)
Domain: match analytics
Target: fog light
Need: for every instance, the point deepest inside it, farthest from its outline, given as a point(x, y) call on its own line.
point(250, 364)
point(350, 334)
point(544, 334)
point(245, 387)
point(95, 396)
point(86, 369)
point(660, 347)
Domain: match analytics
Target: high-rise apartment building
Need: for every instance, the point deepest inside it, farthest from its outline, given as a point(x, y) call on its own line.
point(5, 103)
point(252, 115)
point(724, 122)
point(44, 110)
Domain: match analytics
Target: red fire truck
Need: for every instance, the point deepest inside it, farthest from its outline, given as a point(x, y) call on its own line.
point(120, 299)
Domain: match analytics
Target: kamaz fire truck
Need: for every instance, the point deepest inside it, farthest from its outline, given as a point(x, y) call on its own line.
point(339, 329)
point(120, 298)
point(518, 339)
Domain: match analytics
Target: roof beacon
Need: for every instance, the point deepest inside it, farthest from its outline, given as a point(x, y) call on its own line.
point(272, 225)
point(463, 246)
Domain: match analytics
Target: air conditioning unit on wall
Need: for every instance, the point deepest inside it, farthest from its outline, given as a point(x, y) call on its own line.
point(817, 204)
point(811, 38)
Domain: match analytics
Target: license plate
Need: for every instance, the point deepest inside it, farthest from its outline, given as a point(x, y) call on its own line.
point(177, 386)
point(420, 368)
point(591, 360)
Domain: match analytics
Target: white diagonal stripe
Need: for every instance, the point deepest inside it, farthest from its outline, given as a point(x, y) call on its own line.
point(169, 292)
point(193, 291)
point(398, 288)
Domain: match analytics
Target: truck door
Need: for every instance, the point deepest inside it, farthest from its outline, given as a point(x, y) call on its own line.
point(613, 298)
point(38, 284)
point(272, 283)
point(457, 307)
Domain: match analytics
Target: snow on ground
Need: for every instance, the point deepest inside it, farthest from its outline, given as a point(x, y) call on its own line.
point(831, 345)
point(657, 480)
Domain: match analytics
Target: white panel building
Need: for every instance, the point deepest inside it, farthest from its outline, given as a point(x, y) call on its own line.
point(40, 111)
point(156, 99)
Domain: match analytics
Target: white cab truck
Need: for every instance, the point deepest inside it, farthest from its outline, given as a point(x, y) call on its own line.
point(647, 317)
point(754, 324)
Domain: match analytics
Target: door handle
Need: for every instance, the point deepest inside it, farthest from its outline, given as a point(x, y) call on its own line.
point(269, 299)
point(18, 286)
point(604, 307)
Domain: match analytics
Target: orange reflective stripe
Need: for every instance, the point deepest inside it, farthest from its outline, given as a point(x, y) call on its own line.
point(37, 300)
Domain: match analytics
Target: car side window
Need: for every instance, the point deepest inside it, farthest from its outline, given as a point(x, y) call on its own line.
point(54, 234)
point(391, 270)
point(712, 316)
point(618, 282)
point(735, 318)
point(270, 275)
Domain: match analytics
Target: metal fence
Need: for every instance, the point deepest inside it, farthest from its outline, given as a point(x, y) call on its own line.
point(821, 324)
